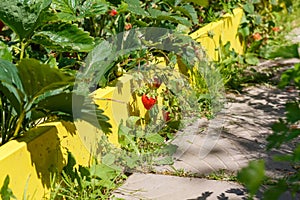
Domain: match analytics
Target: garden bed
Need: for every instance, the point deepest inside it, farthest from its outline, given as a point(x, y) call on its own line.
point(29, 161)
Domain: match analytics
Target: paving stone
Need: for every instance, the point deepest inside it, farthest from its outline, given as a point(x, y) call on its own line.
point(162, 187)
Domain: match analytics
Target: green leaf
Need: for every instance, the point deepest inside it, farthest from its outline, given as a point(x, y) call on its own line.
point(98, 63)
point(134, 7)
point(293, 112)
point(251, 59)
point(131, 121)
point(66, 6)
point(38, 78)
point(249, 8)
point(104, 172)
point(6, 193)
point(108, 159)
point(289, 51)
point(5, 53)
point(69, 168)
point(155, 138)
point(168, 160)
point(161, 15)
point(276, 191)
point(23, 17)
point(11, 84)
point(64, 37)
point(126, 139)
point(71, 10)
point(252, 176)
point(203, 3)
point(191, 13)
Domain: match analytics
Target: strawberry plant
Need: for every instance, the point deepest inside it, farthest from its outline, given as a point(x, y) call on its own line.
point(32, 93)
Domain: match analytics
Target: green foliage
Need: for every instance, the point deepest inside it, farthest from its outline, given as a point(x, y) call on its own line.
point(5, 192)
point(263, 28)
point(290, 76)
point(284, 131)
point(252, 176)
point(283, 51)
point(23, 17)
point(62, 36)
point(5, 53)
point(93, 182)
point(31, 92)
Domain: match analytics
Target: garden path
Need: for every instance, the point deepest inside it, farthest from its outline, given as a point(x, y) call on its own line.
point(227, 143)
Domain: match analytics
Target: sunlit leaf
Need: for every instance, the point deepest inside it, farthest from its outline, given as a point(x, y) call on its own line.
point(5, 53)
point(252, 176)
point(64, 37)
point(23, 17)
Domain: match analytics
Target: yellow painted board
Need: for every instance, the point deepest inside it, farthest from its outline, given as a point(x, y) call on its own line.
point(30, 161)
point(224, 30)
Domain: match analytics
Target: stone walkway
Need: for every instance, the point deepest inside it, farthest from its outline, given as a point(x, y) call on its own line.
point(228, 143)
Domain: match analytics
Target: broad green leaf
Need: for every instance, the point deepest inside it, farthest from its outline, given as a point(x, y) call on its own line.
point(161, 15)
point(249, 8)
point(293, 112)
point(131, 121)
point(134, 7)
point(251, 59)
point(9, 74)
point(168, 160)
point(71, 10)
point(5, 53)
point(191, 13)
point(126, 139)
point(104, 172)
point(203, 3)
point(23, 17)
point(155, 138)
point(252, 176)
point(65, 6)
point(64, 37)
point(62, 102)
point(38, 78)
point(11, 84)
point(98, 63)
point(108, 159)
point(5, 192)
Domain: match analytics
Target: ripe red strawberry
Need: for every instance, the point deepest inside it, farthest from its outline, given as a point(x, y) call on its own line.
point(1, 25)
point(148, 102)
point(113, 12)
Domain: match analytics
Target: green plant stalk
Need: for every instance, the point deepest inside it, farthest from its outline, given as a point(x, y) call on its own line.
point(19, 123)
point(23, 46)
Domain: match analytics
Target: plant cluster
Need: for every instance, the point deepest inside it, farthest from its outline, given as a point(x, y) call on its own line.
point(285, 131)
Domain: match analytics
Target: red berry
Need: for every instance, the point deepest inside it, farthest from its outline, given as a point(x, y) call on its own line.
point(256, 36)
point(148, 102)
point(156, 82)
point(128, 26)
point(113, 12)
point(276, 29)
point(166, 116)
